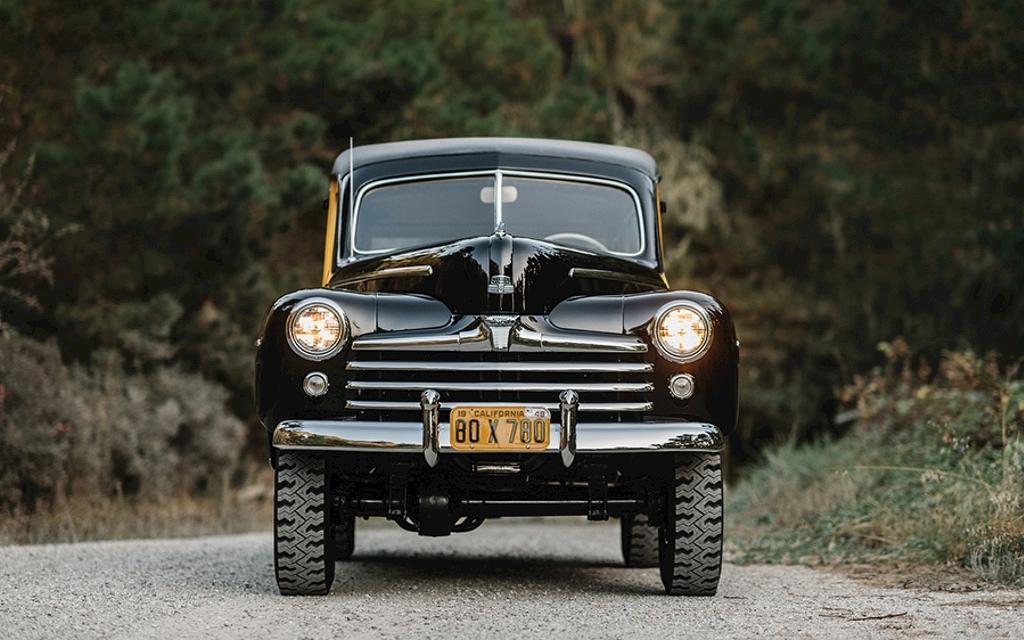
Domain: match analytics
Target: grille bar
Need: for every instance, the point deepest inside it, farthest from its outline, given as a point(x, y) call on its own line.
point(385, 405)
point(553, 387)
point(544, 367)
point(386, 384)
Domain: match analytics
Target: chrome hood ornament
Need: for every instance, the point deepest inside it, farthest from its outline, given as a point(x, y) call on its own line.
point(500, 285)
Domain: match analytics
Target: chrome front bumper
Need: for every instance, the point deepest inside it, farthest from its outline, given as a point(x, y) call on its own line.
point(431, 437)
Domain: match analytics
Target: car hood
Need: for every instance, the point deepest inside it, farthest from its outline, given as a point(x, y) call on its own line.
point(498, 274)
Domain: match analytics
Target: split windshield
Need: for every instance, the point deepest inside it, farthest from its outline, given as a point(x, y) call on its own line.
point(592, 216)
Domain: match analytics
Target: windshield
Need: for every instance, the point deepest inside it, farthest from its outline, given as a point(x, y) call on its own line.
point(589, 215)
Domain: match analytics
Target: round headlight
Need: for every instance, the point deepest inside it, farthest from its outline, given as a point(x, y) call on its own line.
point(682, 331)
point(317, 329)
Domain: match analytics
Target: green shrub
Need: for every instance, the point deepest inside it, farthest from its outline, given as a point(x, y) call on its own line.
point(933, 471)
point(77, 433)
point(37, 409)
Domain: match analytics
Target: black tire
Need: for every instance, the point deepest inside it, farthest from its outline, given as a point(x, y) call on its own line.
point(344, 535)
point(639, 541)
point(691, 538)
point(303, 559)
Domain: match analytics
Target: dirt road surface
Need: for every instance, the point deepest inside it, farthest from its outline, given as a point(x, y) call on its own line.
point(505, 580)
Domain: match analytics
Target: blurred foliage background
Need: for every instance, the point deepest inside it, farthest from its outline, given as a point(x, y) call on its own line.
point(840, 173)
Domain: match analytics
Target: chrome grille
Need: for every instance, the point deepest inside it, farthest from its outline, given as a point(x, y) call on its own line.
point(386, 385)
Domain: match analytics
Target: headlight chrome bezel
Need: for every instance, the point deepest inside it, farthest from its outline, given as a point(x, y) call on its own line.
point(667, 351)
point(298, 347)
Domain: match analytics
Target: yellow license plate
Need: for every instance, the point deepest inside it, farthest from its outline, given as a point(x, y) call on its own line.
point(500, 428)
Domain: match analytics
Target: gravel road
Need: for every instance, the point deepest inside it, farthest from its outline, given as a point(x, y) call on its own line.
point(506, 579)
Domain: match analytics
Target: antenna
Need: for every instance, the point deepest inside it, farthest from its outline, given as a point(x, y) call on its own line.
point(351, 177)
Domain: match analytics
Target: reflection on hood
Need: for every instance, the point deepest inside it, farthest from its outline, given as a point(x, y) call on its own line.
point(499, 274)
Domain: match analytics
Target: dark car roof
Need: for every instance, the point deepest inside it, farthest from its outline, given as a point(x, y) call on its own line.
point(589, 151)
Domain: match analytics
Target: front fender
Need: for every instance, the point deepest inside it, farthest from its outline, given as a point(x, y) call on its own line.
point(716, 373)
point(278, 368)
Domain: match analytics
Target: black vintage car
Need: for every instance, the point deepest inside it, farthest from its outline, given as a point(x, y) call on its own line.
point(495, 336)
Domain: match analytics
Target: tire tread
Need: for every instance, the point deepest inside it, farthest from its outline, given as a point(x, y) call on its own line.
point(639, 541)
point(691, 541)
point(303, 561)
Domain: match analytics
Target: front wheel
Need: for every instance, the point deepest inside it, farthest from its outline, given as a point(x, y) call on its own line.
point(690, 539)
point(303, 558)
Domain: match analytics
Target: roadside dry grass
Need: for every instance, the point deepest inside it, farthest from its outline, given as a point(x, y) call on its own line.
point(932, 474)
point(120, 518)
point(949, 578)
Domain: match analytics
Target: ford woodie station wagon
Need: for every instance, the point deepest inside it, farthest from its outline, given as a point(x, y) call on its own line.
point(494, 336)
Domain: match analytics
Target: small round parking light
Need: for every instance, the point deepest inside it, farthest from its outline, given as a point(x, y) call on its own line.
point(315, 385)
point(681, 386)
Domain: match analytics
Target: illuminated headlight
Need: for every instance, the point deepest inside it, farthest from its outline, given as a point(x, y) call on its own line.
point(317, 329)
point(682, 331)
